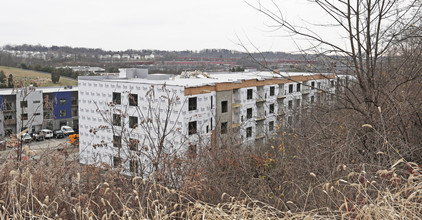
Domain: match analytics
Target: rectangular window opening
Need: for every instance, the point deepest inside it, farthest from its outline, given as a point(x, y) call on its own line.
point(224, 106)
point(62, 113)
point(249, 113)
point(271, 108)
point(117, 120)
point(117, 162)
point(248, 132)
point(133, 100)
point(192, 103)
point(271, 126)
point(24, 116)
point(272, 90)
point(133, 144)
point(117, 98)
point(62, 101)
point(249, 94)
point(192, 127)
point(224, 128)
point(117, 141)
point(24, 104)
point(133, 121)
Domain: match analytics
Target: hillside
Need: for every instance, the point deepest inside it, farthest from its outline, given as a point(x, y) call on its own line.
point(30, 77)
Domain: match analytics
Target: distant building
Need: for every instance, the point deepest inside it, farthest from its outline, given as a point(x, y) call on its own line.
point(116, 56)
point(37, 108)
point(150, 57)
point(85, 69)
point(105, 57)
point(136, 56)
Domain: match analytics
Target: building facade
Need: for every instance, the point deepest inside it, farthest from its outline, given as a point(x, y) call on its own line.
point(137, 115)
point(37, 108)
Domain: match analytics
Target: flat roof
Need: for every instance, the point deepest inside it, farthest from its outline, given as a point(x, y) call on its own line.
point(202, 80)
point(12, 91)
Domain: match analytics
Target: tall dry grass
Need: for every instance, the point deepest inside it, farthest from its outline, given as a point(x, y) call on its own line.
point(53, 188)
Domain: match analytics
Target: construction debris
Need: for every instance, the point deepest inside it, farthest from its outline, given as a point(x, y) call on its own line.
point(197, 74)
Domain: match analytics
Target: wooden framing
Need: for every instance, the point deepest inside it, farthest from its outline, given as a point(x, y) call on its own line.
point(251, 83)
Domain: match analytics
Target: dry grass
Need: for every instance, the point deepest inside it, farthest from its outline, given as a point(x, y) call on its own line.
point(53, 188)
point(29, 77)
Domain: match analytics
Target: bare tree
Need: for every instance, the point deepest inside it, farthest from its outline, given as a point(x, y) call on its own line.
point(376, 57)
point(149, 134)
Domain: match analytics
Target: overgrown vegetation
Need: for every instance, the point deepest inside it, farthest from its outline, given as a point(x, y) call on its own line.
point(358, 158)
point(54, 187)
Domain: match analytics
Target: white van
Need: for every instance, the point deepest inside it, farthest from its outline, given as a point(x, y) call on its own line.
point(47, 133)
point(67, 130)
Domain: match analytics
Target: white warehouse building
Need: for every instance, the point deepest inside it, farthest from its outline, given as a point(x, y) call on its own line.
point(135, 119)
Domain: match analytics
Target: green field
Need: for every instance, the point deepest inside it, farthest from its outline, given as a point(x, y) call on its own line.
point(27, 77)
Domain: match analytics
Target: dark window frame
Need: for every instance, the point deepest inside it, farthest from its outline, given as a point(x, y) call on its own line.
point(290, 104)
point(24, 116)
point(74, 112)
point(248, 132)
point(224, 128)
point(133, 144)
point(193, 103)
point(117, 98)
point(117, 161)
point(133, 122)
point(249, 94)
point(117, 120)
point(271, 126)
point(192, 127)
point(117, 141)
point(298, 103)
point(133, 99)
point(192, 150)
point(63, 113)
point(224, 106)
point(62, 101)
point(291, 88)
point(272, 90)
point(134, 166)
point(24, 104)
point(271, 108)
point(249, 113)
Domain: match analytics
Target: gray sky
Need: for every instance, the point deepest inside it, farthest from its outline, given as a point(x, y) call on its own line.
point(145, 24)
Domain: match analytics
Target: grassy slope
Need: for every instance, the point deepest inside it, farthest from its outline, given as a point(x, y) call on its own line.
point(29, 77)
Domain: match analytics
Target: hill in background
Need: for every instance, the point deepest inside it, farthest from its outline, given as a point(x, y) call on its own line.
point(39, 79)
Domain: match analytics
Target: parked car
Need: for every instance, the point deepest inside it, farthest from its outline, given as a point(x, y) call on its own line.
point(2, 145)
point(26, 138)
point(39, 136)
point(67, 130)
point(58, 134)
point(47, 133)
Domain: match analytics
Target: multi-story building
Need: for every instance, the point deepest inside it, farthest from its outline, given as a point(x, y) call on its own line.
point(137, 113)
point(37, 108)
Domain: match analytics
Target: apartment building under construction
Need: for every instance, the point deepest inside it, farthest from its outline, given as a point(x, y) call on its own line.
point(121, 118)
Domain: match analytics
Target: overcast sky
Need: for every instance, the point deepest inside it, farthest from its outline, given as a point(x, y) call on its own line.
point(146, 24)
